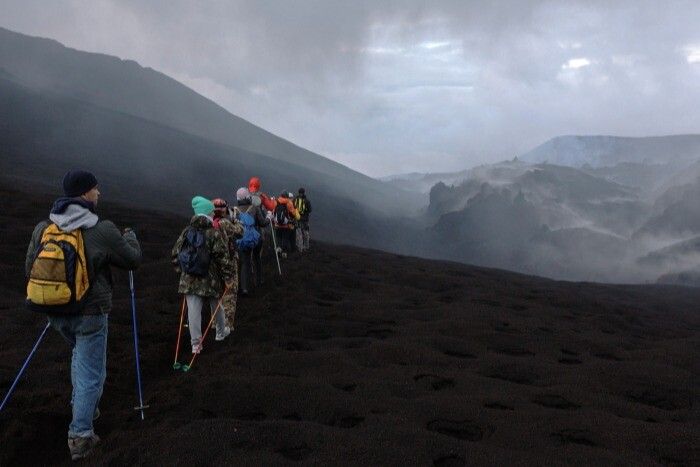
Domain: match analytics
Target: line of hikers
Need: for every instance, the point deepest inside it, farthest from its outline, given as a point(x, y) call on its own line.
point(69, 278)
point(220, 237)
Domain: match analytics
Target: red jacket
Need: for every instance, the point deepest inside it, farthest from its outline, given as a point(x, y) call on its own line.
point(254, 188)
point(268, 203)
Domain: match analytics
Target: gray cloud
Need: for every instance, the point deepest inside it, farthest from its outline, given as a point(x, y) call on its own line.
point(398, 86)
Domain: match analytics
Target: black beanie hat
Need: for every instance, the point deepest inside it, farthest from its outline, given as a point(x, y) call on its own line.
point(78, 182)
point(302, 191)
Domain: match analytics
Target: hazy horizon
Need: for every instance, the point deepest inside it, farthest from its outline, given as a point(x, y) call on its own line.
point(389, 88)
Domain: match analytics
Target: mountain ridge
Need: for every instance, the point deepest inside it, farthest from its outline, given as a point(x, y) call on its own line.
point(125, 85)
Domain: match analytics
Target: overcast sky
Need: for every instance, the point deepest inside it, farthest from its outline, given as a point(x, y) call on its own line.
point(399, 86)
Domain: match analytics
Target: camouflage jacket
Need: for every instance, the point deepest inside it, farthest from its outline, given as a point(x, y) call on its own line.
point(221, 267)
point(231, 231)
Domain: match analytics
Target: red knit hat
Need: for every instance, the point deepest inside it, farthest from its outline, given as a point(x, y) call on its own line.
point(254, 185)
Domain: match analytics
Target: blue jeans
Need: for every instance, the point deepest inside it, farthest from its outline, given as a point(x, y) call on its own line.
point(87, 335)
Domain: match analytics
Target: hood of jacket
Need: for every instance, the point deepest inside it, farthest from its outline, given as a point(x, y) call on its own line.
point(200, 221)
point(73, 213)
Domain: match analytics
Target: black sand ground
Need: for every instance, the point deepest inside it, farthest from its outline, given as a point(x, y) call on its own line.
point(362, 357)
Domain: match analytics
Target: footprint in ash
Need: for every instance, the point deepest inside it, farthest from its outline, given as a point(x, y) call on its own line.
point(434, 382)
point(574, 436)
point(554, 401)
point(460, 429)
point(295, 453)
point(450, 461)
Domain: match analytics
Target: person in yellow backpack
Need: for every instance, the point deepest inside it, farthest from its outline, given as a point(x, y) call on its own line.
point(303, 207)
point(80, 314)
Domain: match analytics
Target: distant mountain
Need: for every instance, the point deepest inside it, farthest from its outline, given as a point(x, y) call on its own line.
point(676, 213)
point(609, 151)
point(541, 219)
point(421, 182)
point(604, 205)
point(492, 229)
point(650, 165)
point(648, 179)
point(572, 197)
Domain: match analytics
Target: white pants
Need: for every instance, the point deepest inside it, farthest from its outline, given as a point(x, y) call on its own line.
point(194, 316)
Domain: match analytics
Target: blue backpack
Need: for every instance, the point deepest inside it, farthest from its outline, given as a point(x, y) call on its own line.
point(194, 257)
point(251, 236)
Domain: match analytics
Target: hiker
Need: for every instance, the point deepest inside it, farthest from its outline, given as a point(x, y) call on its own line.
point(231, 229)
point(267, 204)
point(206, 270)
point(293, 233)
point(258, 197)
point(284, 217)
point(303, 206)
point(80, 314)
point(250, 246)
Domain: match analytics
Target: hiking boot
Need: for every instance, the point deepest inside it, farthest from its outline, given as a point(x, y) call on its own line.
point(82, 447)
point(223, 335)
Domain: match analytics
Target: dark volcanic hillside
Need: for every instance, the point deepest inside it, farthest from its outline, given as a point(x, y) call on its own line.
point(150, 138)
point(139, 161)
point(361, 357)
point(46, 66)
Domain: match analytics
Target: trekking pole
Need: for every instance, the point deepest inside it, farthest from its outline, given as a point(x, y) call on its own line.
point(274, 243)
point(186, 368)
point(141, 407)
point(177, 365)
point(24, 367)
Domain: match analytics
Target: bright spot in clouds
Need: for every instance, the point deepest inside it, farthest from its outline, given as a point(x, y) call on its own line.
point(435, 45)
point(384, 50)
point(575, 63)
point(692, 53)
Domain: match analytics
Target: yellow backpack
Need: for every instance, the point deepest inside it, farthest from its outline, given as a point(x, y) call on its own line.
point(300, 204)
point(58, 281)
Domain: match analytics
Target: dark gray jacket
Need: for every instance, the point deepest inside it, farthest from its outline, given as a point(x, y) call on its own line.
point(105, 246)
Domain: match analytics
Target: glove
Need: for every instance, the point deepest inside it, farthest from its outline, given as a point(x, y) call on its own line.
point(268, 216)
